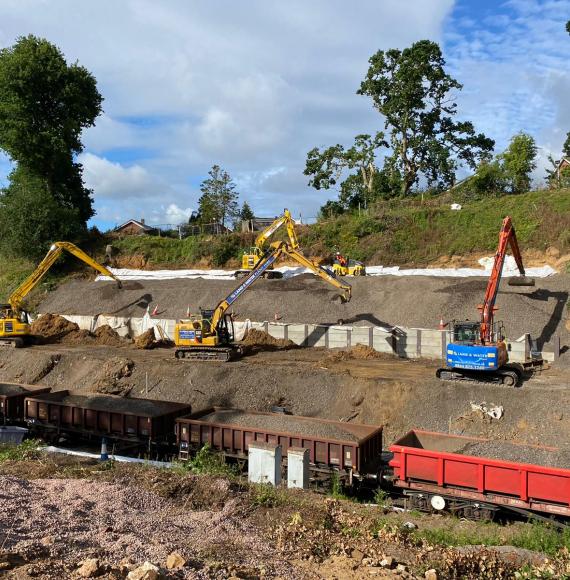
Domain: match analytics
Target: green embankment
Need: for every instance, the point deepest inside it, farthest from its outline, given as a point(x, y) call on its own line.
point(396, 232)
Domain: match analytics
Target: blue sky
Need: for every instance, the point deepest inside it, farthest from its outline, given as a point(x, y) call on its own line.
point(252, 86)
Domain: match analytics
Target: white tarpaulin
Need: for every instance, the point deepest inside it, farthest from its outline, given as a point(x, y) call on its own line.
point(509, 269)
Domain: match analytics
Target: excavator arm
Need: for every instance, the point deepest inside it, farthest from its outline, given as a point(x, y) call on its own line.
point(57, 248)
point(287, 220)
point(507, 237)
point(276, 250)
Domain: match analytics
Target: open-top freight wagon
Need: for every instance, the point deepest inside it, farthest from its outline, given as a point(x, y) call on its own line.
point(353, 451)
point(478, 477)
point(12, 396)
point(142, 422)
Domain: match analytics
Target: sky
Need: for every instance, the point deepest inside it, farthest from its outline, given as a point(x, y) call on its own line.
point(253, 85)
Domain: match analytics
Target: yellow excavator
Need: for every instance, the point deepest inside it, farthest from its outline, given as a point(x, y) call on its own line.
point(14, 320)
point(251, 258)
point(210, 336)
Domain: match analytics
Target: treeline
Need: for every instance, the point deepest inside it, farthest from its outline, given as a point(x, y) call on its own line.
point(423, 145)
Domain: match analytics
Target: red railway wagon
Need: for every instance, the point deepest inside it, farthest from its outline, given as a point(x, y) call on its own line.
point(429, 468)
point(138, 420)
point(12, 397)
point(350, 448)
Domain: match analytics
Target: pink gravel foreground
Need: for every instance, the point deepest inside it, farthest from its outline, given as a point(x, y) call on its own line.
point(69, 520)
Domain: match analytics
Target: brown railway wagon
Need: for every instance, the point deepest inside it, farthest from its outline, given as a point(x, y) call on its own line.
point(141, 420)
point(12, 397)
point(353, 448)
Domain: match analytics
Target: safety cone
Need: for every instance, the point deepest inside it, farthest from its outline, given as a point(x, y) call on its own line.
point(155, 310)
point(442, 325)
point(188, 311)
point(104, 454)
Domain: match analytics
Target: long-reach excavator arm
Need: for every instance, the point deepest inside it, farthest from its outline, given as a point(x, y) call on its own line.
point(57, 248)
point(210, 338)
point(287, 220)
point(507, 237)
point(14, 321)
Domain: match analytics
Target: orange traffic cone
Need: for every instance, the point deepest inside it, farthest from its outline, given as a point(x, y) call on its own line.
point(188, 311)
point(155, 310)
point(442, 325)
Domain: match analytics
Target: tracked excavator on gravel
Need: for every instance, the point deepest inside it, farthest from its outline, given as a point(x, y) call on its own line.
point(210, 336)
point(478, 351)
point(14, 320)
point(251, 258)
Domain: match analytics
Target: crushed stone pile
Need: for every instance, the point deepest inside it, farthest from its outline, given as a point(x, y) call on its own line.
point(53, 525)
point(52, 328)
point(285, 424)
point(518, 453)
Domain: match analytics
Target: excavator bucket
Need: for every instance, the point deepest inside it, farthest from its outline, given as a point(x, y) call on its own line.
point(521, 281)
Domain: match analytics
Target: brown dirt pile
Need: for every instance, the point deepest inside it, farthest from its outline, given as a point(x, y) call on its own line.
point(258, 338)
point(145, 340)
point(358, 352)
point(52, 328)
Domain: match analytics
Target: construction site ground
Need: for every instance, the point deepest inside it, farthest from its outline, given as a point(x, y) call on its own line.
point(224, 529)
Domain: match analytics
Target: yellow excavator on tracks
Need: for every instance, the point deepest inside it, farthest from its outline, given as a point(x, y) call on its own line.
point(251, 258)
point(210, 336)
point(14, 320)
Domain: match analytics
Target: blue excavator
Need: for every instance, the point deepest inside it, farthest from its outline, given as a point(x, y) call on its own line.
point(478, 350)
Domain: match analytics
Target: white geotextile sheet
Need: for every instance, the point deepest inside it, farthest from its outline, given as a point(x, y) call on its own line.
point(510, 269)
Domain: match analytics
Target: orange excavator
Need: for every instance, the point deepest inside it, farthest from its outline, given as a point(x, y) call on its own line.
point(478, 351)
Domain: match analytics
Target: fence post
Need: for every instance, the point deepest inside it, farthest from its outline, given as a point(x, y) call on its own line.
point(371, 336)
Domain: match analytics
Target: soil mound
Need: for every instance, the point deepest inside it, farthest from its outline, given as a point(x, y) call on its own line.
point(358, 352)
point(110, 378)
point(260, 339)
point(145, 340)
point(107, 336)
point(52, 327)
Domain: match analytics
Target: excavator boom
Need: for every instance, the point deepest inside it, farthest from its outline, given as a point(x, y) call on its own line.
point(507, 237)
point(285, 219)
point(17, 297)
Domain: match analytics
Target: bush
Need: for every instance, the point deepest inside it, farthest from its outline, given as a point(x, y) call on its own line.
point(229, 247)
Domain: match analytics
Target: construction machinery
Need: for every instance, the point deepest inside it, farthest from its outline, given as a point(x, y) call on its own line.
point(210, 336)
point(347, 267)
point(251, 258)
point(14, 320)
point(478, 351)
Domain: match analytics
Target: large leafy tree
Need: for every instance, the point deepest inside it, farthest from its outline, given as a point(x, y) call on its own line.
point(518, 162)
point(45, 104)
point(414, 93)
point(219, 199)
point(566, 146)
point(354, 170)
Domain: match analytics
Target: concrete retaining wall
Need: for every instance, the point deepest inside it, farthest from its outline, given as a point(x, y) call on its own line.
point(400, 341)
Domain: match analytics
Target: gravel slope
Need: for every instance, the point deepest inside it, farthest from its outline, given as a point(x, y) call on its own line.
point(406, 301)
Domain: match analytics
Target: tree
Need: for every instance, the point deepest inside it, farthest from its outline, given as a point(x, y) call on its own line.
point(44, 106)
point(411, 89)
point(246, 213)
point(218, 202)
point(519, 161)
point(31, 218)
point(566, 146)
point(363, 183)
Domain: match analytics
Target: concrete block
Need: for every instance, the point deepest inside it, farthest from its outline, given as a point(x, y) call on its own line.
point(276, 330)
point(264, 463)
point(298, 467)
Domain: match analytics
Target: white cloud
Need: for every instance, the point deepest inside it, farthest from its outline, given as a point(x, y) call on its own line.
point(251, 86)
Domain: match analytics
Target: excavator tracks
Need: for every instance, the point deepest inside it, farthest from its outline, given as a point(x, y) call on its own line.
point(208, 353)
point(508, 376)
